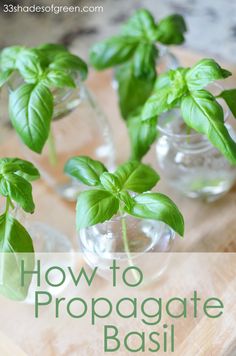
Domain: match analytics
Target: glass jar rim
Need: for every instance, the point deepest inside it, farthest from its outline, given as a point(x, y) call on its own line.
point(60, 94)
point(195, 134)
point(163, 49)
point(118, 217)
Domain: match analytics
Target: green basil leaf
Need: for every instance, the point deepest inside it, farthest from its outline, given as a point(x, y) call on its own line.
point(114, 51)
point(156, 104)
point(13, 236)
point(31, 108)
point(110, 182)
point(142, 134)
point(67, 61)
point(15, 246)
point(9, 56)
point(59, 79)
point(163, 81)
point(85, 169)
point(171, 29)
point(158, 206)
point(201, 111)
point(168, 90)
point(21, 167)
point(136, 177)
point(47, 53)
point(18, 189)
point(4, 76)
point(141, 26)
point(51, 49)
point(145, 61)
point(203, 73)
point(229, 97)
point(95, 206)
point(28, 64)
point(132, 91)
point(178, 86)
point(125, 197)
point(27, 170)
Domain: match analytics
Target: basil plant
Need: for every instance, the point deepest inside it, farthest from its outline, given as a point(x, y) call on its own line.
point(126, 191)
point(133, 52)
point(42, 69)
point(186, 89)
point(16, 244)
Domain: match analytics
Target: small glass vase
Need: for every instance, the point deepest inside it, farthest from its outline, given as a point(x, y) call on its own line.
point(51, 248)
point(130, 241)
point(46, 239)
point(79, 128)
point(189, 163)
point(166, 60)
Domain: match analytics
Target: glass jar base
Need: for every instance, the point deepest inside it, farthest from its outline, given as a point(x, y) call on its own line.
point(51, 249)
point(204, 191)
point(207, 197)
point(189, 163)
point(102, 244)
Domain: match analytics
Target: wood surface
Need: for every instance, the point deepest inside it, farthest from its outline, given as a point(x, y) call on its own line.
point(209, 228)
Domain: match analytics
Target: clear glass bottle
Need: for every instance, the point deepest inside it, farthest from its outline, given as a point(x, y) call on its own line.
point(189, 162)
point(128, 240)
point(79, 128)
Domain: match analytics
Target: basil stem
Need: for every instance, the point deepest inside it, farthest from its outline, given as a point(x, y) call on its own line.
point(188, 132)
point(126, 243)
point(53, 159)
point(7, 205)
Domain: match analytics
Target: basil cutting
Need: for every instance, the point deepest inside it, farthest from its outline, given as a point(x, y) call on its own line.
point(42, 69)
point(134, 52)
point(184, 89)
point(15, 187)
point(114, 192)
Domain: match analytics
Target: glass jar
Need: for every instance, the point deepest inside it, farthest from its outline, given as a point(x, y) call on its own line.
point(51, 248)
point(189, 163)
point(79, 128)
point(45, 237)
point(166, 59)
point(130, 241)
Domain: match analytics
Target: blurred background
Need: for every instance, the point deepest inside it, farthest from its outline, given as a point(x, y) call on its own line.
point(211, 24)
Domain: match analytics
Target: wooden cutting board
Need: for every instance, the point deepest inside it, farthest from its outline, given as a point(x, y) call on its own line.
point(209, 227)
point(8, 348)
